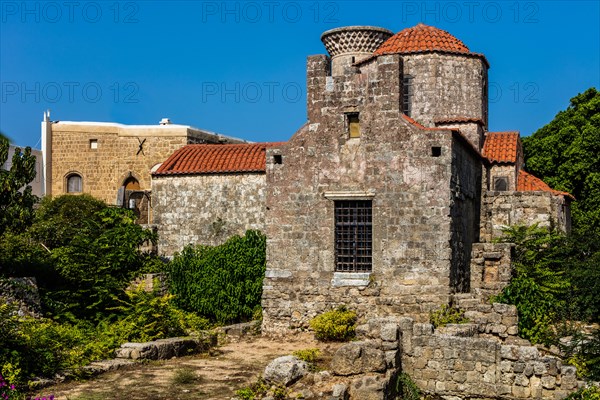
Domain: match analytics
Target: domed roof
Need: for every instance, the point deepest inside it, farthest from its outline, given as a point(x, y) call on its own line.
point(422, 38)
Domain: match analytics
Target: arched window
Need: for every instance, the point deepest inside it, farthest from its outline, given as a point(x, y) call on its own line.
point(74, 183)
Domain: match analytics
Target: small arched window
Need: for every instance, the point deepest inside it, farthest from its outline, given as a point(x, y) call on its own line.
point(74, 183)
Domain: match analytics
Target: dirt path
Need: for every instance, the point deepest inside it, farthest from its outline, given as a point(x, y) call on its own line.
point(217, 376)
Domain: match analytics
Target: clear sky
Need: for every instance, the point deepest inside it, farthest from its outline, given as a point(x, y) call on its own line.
point(238, 68)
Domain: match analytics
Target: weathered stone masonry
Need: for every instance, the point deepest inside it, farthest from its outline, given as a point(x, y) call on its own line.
point(391, 163)
point(207, 209)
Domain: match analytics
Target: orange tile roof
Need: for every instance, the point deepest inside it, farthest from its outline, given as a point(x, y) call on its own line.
point(501, 147)
point(216, 158)
point(530, 183)
point(422, 38)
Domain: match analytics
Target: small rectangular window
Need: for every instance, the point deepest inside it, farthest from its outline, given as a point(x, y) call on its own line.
point(353, 125)
point(353, 235)
point(277, 159)
point(501, 183)
point(436, 151)
point(93, 144)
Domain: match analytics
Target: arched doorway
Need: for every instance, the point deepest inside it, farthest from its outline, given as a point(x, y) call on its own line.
point(133, 197)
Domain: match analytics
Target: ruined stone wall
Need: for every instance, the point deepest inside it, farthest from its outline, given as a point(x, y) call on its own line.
point(206, 209)
point(466, 367)
point(446, 86)
point(454, 362)
point(392, 165)
point(465, 185)
point(502, 209)
point(491, 269)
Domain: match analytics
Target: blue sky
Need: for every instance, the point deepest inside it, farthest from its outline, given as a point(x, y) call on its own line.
point(238, 68)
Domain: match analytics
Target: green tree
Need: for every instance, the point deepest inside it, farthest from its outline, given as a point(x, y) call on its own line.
point(566, 155)
point(16, 197)
point(94, 252)
point(60, 219)
point(539, 286)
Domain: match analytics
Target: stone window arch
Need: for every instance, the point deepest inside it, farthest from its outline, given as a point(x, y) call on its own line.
point(131, 183)
point(73, 183)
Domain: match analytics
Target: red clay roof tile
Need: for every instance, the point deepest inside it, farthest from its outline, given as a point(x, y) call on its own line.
point(530, 183)
point(501, 147)
point(422, 38)
point(216, 158)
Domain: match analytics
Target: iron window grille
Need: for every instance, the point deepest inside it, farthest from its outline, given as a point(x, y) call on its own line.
point(353, 235)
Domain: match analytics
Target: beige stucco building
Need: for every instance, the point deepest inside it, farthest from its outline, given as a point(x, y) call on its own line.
point(113, 161)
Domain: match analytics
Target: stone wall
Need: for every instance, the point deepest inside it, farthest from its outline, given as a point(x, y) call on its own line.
point(447, 86)
point(386, 164)
point(511, 172)
point(206, 209)
point(393, 165)
point(502, 209)
point(466, 367)
point(23, 294)
point(491, 268)
point(454, 362)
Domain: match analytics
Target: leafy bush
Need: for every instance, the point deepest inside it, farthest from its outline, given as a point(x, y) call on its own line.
point(310, 356)
point(335, 325)
point(7, 390)
point(585, 393)
point(16, 197)
point(32, 347)
point(94, 254)
point(447, 315)
point(146, 316)
point(536, 308)
point(258, 388)
point(539, 287)
point(39, 346)
point(556, 280)
point(223, 283)
point(406, 388)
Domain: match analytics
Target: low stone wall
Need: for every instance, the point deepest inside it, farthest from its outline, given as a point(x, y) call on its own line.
point(491, 320)
point(465, 367)
point(454, 362)
point(164, 349)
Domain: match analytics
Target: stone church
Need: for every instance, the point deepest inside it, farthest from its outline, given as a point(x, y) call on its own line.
point(379, 200)
point(386, 200)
